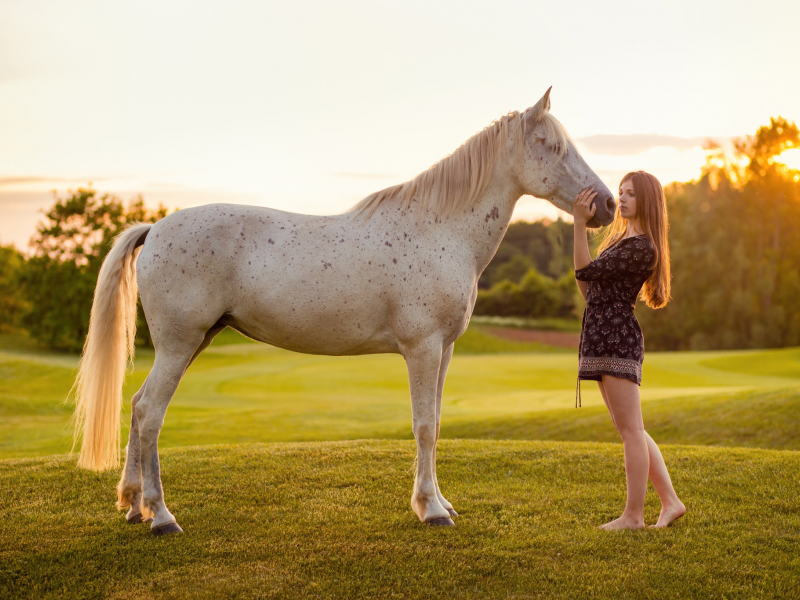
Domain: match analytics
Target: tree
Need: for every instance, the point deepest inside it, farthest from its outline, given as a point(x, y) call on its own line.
point(12, 302)
point(544, 245)
point(535, 296)
point(513, 269)
point(69, 247)
point(734, 250)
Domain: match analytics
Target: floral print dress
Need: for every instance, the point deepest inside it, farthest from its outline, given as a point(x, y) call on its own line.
point(611, 339)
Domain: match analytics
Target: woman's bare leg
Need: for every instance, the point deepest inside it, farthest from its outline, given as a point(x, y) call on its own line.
point(671, 507)
point(605, 399)
point(623, 400)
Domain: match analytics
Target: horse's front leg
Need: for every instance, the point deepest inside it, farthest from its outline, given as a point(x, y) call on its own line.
point(448, 354)
point(423, 375)
point(129, 488)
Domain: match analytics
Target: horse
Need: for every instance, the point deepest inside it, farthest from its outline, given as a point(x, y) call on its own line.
point(398, 273)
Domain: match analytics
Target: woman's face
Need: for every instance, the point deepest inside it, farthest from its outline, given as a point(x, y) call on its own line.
point(627, 200)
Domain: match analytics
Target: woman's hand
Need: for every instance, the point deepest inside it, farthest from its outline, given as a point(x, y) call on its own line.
point(583, 208)
point(582, 211)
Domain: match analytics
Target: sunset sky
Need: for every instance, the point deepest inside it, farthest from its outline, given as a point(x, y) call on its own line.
point(310, 106)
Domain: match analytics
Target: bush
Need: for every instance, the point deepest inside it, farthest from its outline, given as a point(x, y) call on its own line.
point(535, 296)
point(12, 302)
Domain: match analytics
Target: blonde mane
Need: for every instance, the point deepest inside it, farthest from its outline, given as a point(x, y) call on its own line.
point(458, 180)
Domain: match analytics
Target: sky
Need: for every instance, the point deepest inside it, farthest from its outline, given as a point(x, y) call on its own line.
point(309, 106)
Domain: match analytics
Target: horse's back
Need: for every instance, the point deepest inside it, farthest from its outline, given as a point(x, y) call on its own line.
point(303, 282)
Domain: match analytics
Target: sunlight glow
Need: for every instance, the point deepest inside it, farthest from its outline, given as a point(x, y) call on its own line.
point(309, 107)
point(790, 158)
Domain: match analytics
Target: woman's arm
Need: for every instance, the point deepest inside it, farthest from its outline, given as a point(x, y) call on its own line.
point(582, 211)
point(582, 285)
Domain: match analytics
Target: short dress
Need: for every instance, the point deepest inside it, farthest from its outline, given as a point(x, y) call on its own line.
point(611, 338)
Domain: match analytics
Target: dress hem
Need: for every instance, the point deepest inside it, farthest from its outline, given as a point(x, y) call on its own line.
point(592, 367)
point(596, 376)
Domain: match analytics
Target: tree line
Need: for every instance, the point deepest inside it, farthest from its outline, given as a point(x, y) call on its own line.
point(735, 253)
point(735, 250)
point(50, 293)
point(531, 275)
point(733, 240)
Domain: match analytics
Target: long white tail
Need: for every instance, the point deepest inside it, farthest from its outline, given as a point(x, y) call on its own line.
point(108, 348)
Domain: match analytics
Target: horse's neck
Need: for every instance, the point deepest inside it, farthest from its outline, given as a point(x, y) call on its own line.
point(483, 225)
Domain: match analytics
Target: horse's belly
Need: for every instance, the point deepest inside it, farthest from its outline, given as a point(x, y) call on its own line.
point(316, 323)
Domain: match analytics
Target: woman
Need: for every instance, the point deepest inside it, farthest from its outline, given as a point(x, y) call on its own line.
point(633, 256)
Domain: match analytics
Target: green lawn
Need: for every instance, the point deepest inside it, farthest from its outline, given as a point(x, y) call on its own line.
point(300, 518)
point(332, 520)
point(757, 419)
point(239, 391)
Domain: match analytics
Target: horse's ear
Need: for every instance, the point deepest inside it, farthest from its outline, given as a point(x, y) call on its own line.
point(542, 106)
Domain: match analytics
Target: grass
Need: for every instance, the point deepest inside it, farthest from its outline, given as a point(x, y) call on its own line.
point(332, 520)
point(565, 325)
point(239, 392)
point(19, 341)
point(477, 340)
point(299, 519)
point(762, 419)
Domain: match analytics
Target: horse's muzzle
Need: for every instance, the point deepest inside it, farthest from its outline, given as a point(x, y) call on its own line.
point(606, 208)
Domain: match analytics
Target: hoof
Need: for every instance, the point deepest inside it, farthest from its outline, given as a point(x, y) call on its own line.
point(167, 528)
point(134, 519)
point(452, 512)
point(441, 522)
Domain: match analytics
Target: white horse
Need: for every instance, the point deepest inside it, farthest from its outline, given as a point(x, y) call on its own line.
point(396, 273)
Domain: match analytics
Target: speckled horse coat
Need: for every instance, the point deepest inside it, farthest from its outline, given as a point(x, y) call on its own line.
point(392, 275)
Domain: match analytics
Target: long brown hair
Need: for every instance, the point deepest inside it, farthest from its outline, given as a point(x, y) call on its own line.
point(651, 211)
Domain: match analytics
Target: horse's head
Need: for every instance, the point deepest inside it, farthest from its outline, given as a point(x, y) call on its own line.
point(550, 167)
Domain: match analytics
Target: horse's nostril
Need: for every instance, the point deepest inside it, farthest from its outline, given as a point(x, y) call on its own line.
point(610, 205)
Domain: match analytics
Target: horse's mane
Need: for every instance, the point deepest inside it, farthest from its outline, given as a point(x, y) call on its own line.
point(457, 180)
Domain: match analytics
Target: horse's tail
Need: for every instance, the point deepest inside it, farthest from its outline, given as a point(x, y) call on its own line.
point(108, 348)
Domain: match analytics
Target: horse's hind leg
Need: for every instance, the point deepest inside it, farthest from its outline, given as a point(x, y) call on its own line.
point(168, 369)
point(448, 354)
point(129, 488)
point(210, 335)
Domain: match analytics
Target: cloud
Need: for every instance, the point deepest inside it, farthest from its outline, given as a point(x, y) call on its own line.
point(636, 143)
point(365, 175)
point(14, 181)
point(124, 182)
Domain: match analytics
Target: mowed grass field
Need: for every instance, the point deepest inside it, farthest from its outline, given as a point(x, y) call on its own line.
point(239, 391)
point(332, 520)
point(304, 515)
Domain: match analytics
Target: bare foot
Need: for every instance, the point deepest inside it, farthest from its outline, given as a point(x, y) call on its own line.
point(622, 523)
point(669, 515)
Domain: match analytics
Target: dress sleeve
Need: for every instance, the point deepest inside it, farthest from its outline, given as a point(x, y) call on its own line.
point(635, 258)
